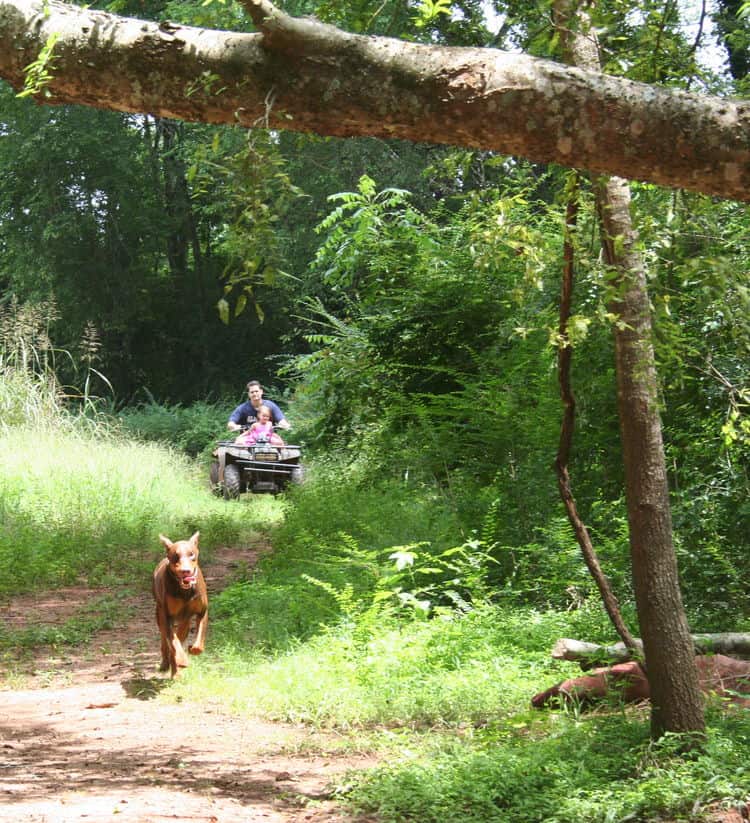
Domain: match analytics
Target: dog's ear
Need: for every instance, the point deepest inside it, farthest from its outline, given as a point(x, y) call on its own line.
point(167, 543)
point(194, 539)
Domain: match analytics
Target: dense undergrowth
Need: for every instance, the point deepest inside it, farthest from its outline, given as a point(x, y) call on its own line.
point(379, 614)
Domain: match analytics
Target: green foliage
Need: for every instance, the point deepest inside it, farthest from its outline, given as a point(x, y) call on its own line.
point(364, 555)
point(251, 189)
point(361, 16)
point(395, 362)
point(428, 363)
point(193, 429)
point(99, 215)
point(429, 11)
point(28, 397)
point(455, 669)
point(550, 571)
point(368, 225)
point(703, 344)
point(599, 770)
point(39, 73)
point(330, 567)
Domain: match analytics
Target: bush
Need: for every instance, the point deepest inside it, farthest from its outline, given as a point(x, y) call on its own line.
point(193, 429)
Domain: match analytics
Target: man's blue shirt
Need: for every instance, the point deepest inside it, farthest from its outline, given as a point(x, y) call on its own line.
point(246, 414)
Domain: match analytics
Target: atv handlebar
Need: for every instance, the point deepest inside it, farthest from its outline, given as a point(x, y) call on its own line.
point(247, 426)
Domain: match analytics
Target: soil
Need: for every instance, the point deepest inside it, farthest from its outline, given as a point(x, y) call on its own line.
point(84, 737)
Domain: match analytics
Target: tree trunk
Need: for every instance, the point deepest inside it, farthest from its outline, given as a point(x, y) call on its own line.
point(675, 694)
point(176, 201)
point(302, 75)
point(676, 700)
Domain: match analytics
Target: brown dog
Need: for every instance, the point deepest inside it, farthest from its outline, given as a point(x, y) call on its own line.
point(180, 593)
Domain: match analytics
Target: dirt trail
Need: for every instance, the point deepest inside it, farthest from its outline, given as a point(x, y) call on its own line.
point(83, 739)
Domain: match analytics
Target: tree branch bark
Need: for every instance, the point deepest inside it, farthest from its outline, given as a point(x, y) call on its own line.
point(303, 75)
point(593, 654)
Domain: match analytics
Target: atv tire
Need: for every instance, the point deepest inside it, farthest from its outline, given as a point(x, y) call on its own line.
point(297, 475)
point(232, 482)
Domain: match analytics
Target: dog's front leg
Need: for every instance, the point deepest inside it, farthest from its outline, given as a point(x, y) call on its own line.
point(179, 633)
point(201, 625)
point(162, 621)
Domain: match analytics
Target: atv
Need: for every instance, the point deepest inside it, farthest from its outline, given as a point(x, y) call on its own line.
point(258, 468)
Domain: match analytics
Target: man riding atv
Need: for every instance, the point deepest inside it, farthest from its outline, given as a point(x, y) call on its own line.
point(247, 413)
point(259, 462)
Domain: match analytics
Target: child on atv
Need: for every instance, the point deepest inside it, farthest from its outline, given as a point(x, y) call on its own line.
point(261, 430)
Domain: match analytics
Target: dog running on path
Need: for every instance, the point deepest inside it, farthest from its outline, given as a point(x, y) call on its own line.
point(180, 594)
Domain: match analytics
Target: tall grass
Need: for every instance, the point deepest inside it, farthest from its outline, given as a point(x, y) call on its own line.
point(80, 501)
point(27, 398)
point(85, 505)
point(30, 394)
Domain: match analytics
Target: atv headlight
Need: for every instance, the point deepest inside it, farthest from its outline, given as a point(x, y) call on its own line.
point(266, 456)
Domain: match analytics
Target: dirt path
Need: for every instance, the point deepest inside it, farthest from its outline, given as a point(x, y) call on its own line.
point(83, 739)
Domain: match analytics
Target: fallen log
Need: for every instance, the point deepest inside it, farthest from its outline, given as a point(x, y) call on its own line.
point(592, 654)
point(718, 674)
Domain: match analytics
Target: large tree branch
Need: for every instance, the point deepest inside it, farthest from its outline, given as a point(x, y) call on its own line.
point(302, 75)
point(592, 654)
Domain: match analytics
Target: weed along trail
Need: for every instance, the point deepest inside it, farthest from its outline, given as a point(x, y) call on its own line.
point(86, 733)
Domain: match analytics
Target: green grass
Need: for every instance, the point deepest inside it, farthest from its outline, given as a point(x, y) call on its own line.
point(80, 507)
point(104, 612)
point(433, 673)
point(558, 769)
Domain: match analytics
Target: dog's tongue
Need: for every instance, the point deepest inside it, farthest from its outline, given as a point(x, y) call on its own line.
point(189, 579)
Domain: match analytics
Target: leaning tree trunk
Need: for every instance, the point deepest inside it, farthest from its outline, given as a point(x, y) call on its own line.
point(677, 704)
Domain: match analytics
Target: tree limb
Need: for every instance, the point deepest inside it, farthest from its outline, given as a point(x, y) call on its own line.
point(302, 75)
point(592, 654)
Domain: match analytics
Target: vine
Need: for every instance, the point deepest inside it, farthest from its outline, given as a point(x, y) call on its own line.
point(39, 72)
